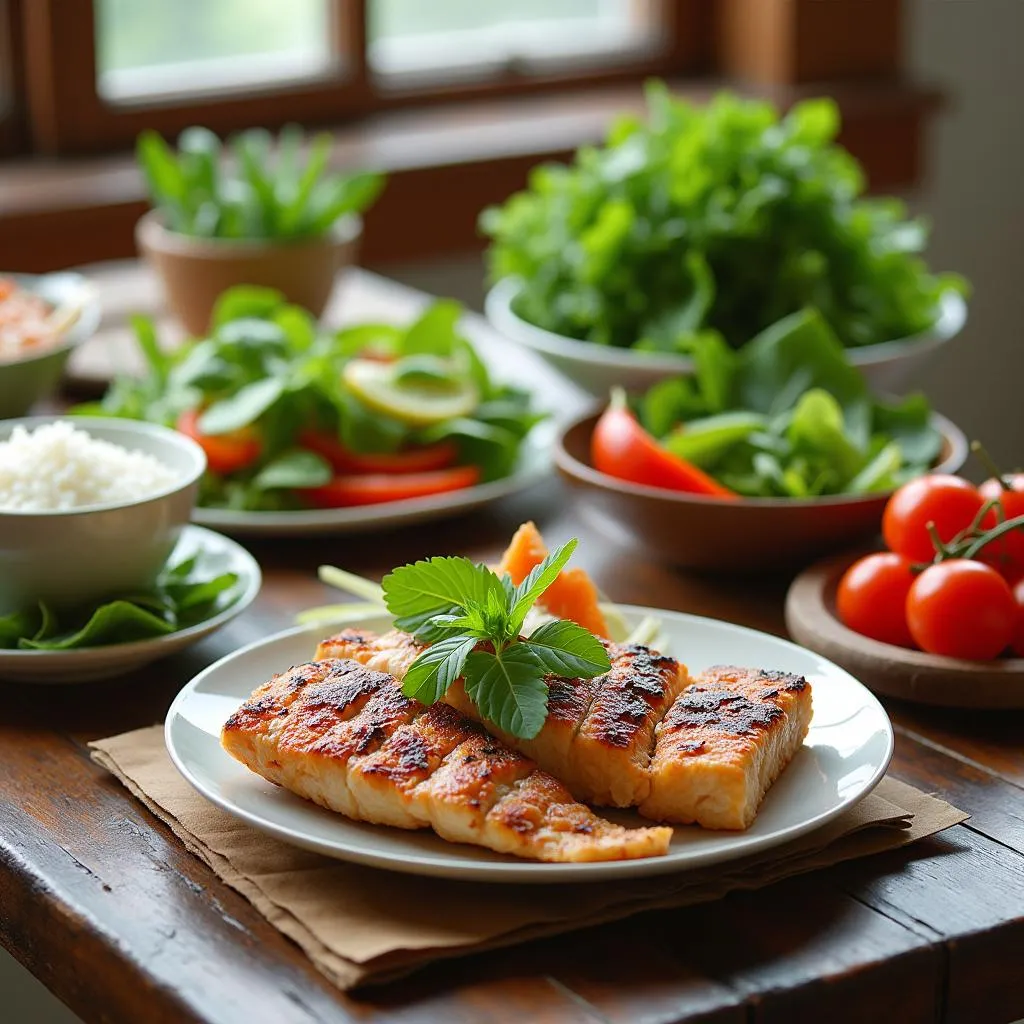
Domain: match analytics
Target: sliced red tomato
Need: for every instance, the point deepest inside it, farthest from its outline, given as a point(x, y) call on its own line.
point(622, 448)
point(380, 488)
point(412, 460)
point(225, 453)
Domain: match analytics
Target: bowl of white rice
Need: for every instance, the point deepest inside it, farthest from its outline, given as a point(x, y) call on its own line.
point(90, 508)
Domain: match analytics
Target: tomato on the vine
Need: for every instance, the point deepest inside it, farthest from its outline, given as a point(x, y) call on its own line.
point(1007, 552)
point(872, 598)
point(948, 502)
point(962, 609)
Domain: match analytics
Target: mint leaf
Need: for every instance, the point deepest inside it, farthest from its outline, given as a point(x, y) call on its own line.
point(566, 649)
point(429, 626)
point(436, 586)
point(509, 689)
point(539, 579)
point(430, 675)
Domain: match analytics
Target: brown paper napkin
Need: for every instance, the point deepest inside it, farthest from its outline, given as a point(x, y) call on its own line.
point(360, 925)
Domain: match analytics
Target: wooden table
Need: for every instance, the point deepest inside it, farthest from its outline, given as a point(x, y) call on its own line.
point(105, 906)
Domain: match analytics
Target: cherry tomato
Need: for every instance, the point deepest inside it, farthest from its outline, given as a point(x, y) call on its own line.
point(872, 598)
point(225, 453)
point(622, 448)
point(962, 609)
point(947, 501)
point(1018, 633)
point(379, 488)
point(412, 460)
point(1006, 553)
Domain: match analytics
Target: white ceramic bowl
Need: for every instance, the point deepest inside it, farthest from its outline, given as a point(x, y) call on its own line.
point(83, 555)
point(890, 366)
point(28, 379)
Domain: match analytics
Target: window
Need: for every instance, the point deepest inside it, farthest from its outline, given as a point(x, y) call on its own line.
point(109, 68)
point(151, 48)
point(475, 38)
point(10, 91)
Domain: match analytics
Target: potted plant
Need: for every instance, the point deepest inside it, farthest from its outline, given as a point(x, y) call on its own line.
point(252, 211)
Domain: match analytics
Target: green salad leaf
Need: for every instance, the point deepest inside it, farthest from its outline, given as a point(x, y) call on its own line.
point(186, 593)
point(472, 618)
point(268, 370)
point(724, 219)
point(788, 416)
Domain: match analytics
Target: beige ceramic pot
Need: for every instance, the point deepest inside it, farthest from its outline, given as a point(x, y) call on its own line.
point(195, 271)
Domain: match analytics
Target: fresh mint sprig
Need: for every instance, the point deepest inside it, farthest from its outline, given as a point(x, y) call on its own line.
point(473, 620)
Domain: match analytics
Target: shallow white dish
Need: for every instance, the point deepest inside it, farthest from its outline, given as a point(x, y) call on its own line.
point(889, 366)
point(534, 465)
point(89, 664)
point(846, 754)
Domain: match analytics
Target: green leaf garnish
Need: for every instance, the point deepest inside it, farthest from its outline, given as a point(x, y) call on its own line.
point(437, 668)
point(473, 619)
point(509, 689)
point(435, 586)
point(567, 649)
point(537, 581)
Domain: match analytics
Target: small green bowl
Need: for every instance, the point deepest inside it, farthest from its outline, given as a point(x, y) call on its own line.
point(27, 380)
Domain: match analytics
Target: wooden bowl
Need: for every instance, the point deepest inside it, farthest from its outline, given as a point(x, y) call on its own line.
point(751, 535)
point(894, 671)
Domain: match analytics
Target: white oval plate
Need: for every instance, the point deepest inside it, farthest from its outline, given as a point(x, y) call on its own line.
point(534, 465)
point(89, 664)
point(846, 754)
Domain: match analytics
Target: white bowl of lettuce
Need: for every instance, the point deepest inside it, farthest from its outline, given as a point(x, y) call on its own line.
point(723, 218)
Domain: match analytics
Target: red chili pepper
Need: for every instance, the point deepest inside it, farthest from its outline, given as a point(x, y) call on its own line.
point(622, 448)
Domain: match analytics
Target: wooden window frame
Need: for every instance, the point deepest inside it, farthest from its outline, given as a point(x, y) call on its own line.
point(68, 115)
point(446, 161)
point(13, 137)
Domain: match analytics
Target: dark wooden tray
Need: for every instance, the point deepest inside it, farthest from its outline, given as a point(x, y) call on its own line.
point(894, 671)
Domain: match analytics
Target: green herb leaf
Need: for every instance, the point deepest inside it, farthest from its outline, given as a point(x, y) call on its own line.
point(294, 468)
point(116, 622)
point(567, 649)
point(509, 689)
point(244, 407)
point(434, 333)
point(435, 586)
point(536, 582)
point(243, 302)
point(434, 671)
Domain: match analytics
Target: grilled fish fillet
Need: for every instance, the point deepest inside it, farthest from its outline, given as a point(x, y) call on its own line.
point(644, 734)
point(599, 732)
point(343, 735)
point(723, 743)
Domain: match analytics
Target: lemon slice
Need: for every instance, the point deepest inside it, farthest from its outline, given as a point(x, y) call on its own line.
point(418, 400)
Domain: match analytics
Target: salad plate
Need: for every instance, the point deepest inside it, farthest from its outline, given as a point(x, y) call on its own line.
point(533, 466)
point(88, 664)
point(845, 755)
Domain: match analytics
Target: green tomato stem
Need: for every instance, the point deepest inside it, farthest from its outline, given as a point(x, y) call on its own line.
point(1008, 526)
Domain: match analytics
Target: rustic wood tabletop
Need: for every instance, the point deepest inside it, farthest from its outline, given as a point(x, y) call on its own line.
point(103, 904)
